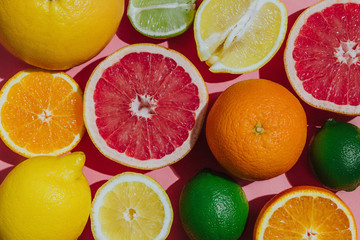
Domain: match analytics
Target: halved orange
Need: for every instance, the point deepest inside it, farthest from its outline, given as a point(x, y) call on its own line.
point(41, 113)
point(305, 213)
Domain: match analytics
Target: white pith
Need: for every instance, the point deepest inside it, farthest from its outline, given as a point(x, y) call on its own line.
point(311, 233)
point(45, 116)
point(90, 117)
point(130, 177)
point(234, 34)
point(143, 106)
point(347, 52)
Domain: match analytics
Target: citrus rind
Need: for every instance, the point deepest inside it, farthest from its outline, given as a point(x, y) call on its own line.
point(131, 177)
point(4, 135)
point(90, 117)
point(218, 67)
point(289, 63)
point(279, 200)
point(132, 11)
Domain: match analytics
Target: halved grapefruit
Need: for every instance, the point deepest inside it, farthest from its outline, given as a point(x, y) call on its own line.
point(322, 56)
point(144, 106)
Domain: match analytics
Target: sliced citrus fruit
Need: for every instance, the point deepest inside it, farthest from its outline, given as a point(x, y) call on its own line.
point(41, 113)
point(144, 106)
point(322, 56)
point(161, 18)
point(305, 212)
point(239, 36)
point(131, 206)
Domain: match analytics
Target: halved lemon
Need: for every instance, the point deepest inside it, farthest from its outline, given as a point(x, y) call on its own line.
point(305, 212)
point(238, 36)
point(131, 206)
point(41, 113)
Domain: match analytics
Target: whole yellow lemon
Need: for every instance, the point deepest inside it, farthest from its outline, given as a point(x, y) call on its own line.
point(45, 198)
point(58, 34)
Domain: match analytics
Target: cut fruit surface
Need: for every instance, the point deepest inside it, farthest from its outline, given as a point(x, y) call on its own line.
point(41, 113)
point(161, 18)
point(145, 106)
point(131, 206)
point(305, 213)
point(239, 36)
point(322, 56)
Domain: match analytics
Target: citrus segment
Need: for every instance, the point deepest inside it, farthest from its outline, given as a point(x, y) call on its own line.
point(41, 113)
point(305, 213)
point(144, 106)
point(239, 36)
point(321, 56)
point(161, 18)
point(131, 206)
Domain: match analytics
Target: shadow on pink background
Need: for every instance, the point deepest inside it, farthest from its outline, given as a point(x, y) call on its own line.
point(200, 157)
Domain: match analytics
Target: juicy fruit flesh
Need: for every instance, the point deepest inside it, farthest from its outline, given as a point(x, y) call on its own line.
point(238, 34)
point(145, 105)
point(308, 217)
point(42, 111)
point(327, 54)
point(131, 210)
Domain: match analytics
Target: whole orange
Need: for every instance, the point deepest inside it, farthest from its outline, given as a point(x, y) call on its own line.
point(256, 129)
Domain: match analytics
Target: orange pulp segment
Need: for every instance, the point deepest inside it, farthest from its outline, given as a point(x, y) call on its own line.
point(41, 113)
point(305, 213)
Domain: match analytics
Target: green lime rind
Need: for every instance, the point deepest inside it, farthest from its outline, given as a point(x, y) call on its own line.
point(161, 18)
point(213, 206)
point(334, 154)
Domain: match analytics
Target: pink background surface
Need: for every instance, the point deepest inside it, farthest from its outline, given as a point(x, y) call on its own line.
point(98, 169)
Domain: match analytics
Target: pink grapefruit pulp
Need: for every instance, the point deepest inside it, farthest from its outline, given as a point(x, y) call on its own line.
point(145, 106)
point(322, 56)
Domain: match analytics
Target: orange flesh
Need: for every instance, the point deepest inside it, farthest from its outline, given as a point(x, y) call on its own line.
point(307, 218)
point(42, 113)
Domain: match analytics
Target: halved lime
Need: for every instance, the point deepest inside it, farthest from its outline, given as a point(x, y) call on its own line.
point(161, 18)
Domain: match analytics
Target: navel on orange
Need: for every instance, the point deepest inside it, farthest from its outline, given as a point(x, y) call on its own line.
point(41, 113)
point(256, 129)
point(305, 213)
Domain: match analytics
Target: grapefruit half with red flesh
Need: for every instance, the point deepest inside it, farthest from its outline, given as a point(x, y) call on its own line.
point(322, 56)
point(145, 106)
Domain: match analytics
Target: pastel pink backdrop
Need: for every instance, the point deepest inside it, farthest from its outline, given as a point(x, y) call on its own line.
point(98, 169)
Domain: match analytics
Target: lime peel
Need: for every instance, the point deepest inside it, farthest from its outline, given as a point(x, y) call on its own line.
point(165, 28)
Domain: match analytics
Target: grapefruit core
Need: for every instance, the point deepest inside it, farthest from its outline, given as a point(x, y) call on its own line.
point(145, 106)
point(322, 56)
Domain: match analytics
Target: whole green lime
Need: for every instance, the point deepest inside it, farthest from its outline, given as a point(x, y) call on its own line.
point(212, 207)
point(335, 155)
